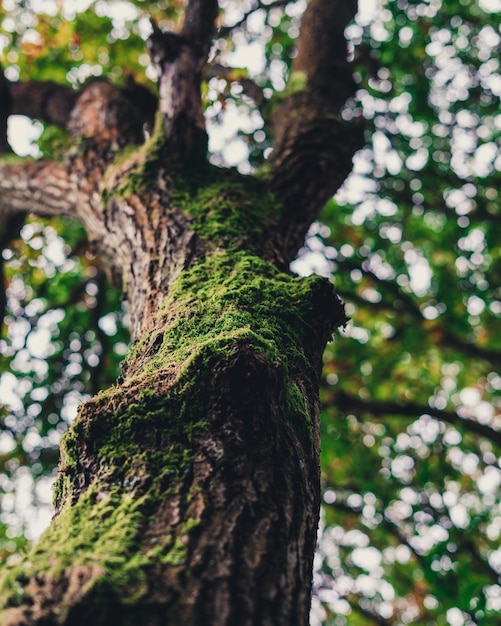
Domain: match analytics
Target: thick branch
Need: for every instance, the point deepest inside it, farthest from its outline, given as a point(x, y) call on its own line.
point(179, 59)
point(103, 114)
point(37, 187)
point(102, 120)
point(322, 52)
point(46, 101)
point(53, 103)
point(199, 23)
point(10, 223)
point(314, 146)
point(5, 106)
point(380, 408)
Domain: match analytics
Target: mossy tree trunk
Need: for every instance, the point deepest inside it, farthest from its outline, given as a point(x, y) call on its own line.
point(188, 493)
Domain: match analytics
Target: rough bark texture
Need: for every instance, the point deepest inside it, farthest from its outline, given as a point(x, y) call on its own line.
point(189, 492)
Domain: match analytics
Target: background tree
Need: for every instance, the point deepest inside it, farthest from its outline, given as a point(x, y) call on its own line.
point(410, 438)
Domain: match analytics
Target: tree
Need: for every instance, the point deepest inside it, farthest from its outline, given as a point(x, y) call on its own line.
point(410, 435)
point(189, 491)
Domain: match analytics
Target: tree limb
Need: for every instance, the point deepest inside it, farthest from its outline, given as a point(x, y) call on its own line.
point(10, 223)
point(53, 103)
point(354, 600)
point(5, 109)
point(199, 23)
point(179, 59)
point(322, 51)
point(403, 301)
point(379, 408)
point(46, 101)
point(225, 31)
point(314, 146)
point(249, 87)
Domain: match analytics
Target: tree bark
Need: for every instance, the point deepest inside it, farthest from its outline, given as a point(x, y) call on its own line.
point(188, 493)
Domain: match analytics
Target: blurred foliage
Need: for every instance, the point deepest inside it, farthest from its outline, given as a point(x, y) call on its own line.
point(411, 419)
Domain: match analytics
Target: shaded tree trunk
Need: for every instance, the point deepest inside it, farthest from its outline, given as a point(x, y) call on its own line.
point(189, 492)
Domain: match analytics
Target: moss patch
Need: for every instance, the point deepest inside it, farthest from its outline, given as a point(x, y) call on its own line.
point(229, 297)
point(135, 169)
point(144, 455)
point(228, 209)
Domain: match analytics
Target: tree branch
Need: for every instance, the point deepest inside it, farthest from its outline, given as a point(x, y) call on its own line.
point(199, 23)
point(53, 103)
point(403, 301)
point(10, 223)
point(102, 113)
point(46, 101)
point(179, 60)
point(322, 50)
point(354, 600)
point(5, 108)
point(250, 88)
point(314, 146)
point(37, 187)
point(225, 31)
point(379, 408)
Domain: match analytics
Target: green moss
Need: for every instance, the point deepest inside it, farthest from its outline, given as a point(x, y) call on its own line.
point(297, 82)
point(103, 532)
point(176, 555)
point(228, 209)
point(55, 142)
point(227, 298)
point(98, 534)
point(134, 169)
